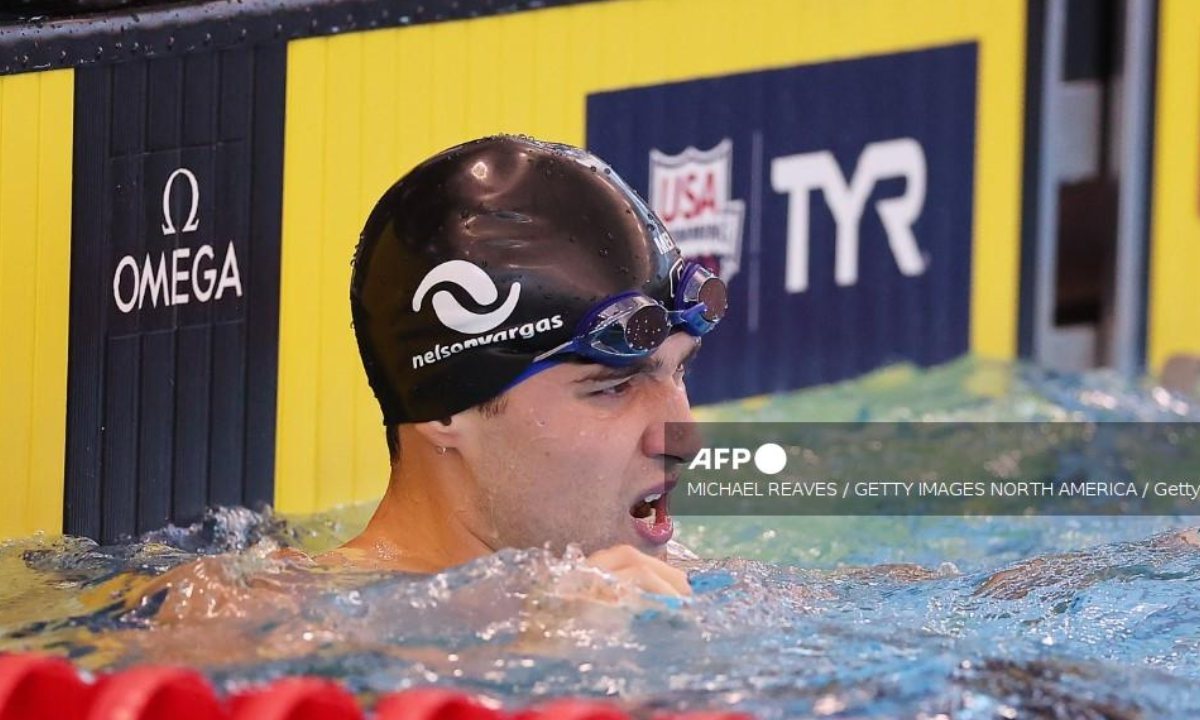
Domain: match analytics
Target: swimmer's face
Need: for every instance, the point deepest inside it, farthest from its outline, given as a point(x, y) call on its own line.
point(575, 449)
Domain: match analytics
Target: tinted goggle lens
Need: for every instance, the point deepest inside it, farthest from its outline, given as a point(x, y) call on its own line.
point(716, 301)
point(635, 326)
point(698, 284)
point(647, 328)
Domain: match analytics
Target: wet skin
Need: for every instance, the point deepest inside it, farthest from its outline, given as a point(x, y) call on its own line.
point(573, 450)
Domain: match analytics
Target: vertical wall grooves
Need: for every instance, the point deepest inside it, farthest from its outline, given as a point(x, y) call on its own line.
point(178, 412)
point(33, 175)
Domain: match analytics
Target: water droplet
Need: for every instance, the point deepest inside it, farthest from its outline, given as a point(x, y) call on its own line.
point(603, 252)
point(207, 38)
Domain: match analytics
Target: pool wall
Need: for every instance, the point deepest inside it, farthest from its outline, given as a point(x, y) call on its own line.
point(181, 190)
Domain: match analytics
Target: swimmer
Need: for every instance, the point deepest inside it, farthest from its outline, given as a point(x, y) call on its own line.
point(525, 322)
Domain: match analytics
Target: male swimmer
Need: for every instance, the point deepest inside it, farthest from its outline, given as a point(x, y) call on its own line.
point(525, 321)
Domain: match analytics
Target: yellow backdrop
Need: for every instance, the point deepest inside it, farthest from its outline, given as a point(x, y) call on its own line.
point(35, 273)
point(1173, 308)
point(363, 108)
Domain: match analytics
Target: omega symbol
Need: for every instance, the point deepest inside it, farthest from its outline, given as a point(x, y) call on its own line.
point(193, 222)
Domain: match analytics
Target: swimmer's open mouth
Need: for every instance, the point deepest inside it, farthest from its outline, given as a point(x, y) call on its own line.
point(654, 503)
point(651, 514)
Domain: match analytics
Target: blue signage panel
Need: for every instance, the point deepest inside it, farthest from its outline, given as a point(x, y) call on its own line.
point(835, 199)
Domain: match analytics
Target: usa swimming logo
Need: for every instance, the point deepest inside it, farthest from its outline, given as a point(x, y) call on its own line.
point(691, 193)
point(449, 311)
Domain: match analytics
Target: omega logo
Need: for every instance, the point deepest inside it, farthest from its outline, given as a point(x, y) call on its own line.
point(180, 275)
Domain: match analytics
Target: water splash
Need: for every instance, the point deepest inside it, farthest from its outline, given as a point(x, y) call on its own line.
point(850, 617)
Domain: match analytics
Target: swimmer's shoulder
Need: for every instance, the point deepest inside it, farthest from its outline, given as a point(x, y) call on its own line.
point(367, 553)
point(345, 557)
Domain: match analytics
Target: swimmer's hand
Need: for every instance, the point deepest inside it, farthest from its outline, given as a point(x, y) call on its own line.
point(647, 573)
point(599, 598)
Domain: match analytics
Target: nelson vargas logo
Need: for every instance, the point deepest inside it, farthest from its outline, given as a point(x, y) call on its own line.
point(482, 289)
point(479, 286)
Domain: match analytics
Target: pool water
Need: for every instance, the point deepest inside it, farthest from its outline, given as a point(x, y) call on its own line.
point(987, 617)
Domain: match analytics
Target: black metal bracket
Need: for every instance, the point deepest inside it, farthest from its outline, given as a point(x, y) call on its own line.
point(40, 42)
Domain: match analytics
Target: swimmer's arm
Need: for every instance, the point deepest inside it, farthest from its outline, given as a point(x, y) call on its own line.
point(215, 587)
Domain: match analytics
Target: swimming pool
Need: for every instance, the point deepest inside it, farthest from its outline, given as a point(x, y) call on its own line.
point(792, 617)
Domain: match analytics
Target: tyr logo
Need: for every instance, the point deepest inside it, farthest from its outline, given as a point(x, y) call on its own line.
point(798, 175)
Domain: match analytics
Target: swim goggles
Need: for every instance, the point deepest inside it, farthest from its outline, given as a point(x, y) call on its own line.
point(627, 327)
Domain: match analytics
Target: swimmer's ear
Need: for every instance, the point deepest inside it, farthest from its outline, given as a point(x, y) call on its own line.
point(445, 432)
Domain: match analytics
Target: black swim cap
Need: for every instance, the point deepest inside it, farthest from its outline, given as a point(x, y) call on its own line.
point(483, 257)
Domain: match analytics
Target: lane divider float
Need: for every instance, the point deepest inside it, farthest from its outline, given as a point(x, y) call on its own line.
point(42, 687)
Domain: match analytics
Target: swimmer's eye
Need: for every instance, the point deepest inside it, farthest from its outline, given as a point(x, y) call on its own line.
point(614, 390)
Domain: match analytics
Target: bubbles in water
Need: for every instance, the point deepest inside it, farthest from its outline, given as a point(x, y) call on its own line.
point(872, 617)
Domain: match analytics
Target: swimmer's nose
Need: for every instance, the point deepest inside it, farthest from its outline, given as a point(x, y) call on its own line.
point(683, 440)
point(675, 434)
